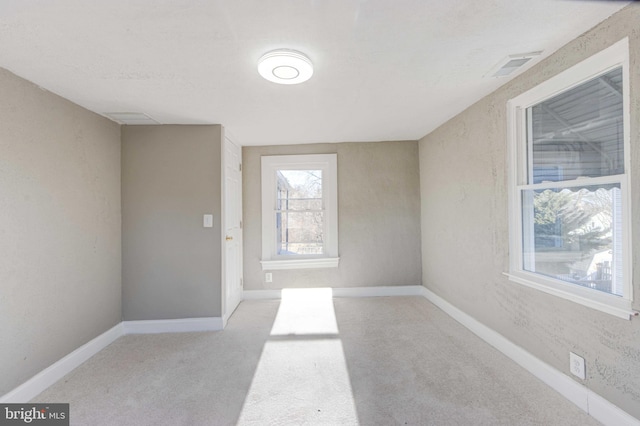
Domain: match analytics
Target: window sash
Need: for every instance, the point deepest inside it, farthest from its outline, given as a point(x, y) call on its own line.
point(582, 249)
point(578, 131)
point(517, 239)
point(286, 248)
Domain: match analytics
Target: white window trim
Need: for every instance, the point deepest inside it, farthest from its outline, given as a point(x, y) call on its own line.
point(328, 163)
point(615, 56)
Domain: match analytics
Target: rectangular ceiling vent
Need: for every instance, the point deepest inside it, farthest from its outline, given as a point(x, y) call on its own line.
point(511, 63)
point(131, 118)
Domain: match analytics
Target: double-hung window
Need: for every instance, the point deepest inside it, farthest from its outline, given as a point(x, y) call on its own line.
point(570, 199)
point(299, 211)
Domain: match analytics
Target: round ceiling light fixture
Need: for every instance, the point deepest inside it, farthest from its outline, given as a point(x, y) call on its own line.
point(285, 66)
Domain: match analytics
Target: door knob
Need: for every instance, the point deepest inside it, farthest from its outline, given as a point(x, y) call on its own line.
point(228, 238)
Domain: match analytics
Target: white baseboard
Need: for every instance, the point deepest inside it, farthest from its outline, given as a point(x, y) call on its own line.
point(182, 325)
point(590, 402)
point(261, 294)
point(407, 290)
point(607, 413)
point(41, 381)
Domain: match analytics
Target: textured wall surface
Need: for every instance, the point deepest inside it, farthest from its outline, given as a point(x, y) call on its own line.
point(59, 228)
point(465, 247)
point(170, 264)
point(378, 217)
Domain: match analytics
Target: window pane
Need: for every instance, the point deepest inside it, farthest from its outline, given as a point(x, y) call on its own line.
point(299, 184)
point(300, 233)
point(299, 190)
point(578, 133)
point(575, 235)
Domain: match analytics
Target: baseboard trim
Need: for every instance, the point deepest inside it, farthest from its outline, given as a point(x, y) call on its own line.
point(182, 325)
point(607, 413)
point(407, 290)
point(590, 402)
point(41, 381)
point(261, 294)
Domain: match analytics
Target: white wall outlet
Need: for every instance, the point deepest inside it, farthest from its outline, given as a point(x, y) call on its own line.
point(576, 365)
point(207, 221)
point(268, 277)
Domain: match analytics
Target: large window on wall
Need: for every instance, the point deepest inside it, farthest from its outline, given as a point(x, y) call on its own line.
point(299, 211)
point(569, 201)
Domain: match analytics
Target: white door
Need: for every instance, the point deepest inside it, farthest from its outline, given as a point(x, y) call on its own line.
point(232, 226)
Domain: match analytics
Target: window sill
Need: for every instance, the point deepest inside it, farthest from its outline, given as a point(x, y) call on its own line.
point(332, 262)
point(609, 304)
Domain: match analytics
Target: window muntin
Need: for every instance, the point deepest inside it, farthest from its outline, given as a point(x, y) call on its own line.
point(569, 201)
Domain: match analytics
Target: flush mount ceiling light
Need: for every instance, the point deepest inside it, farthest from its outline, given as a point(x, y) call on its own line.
point(284, 66)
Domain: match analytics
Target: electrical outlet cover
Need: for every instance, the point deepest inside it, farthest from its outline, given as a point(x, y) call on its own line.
point(576, 365)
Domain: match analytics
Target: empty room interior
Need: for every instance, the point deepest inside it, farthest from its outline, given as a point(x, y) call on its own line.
point(341, 212)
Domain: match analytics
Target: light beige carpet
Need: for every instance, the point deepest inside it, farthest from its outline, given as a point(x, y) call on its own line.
point(313, 360)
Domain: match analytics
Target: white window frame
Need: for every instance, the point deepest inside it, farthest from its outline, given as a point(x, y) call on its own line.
point(613, 57)
point(328, 163)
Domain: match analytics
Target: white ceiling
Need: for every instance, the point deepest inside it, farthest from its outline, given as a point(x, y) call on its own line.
point(384, 69)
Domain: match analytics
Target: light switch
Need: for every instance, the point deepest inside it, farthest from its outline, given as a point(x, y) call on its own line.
point(207, 221)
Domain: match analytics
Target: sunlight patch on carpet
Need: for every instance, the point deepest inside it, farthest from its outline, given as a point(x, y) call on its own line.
point(302, 375)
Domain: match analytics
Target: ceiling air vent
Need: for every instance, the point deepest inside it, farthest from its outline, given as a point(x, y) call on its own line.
point(511, 63)
point(131, 118)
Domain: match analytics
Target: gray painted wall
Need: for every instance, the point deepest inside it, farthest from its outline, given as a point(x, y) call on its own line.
point(463, 173)
point(59, 228)
point(170, 264)
point(378, 217)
